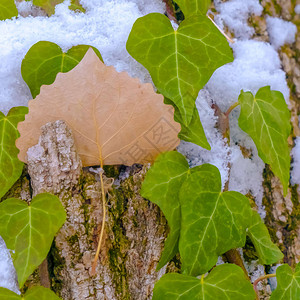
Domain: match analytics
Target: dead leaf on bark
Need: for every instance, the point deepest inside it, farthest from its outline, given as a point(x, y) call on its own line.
point(115, 119)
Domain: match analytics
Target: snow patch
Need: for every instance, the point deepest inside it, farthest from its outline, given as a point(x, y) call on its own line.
point(219, 155)
point(295, 173)
point(8, 276)
point(246, 176)
point(105, 25)
point(256, 64)
point(280, 32)
point(235, 13)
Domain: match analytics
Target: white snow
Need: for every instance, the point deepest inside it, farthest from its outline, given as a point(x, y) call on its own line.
point(280, 32)
point(105, 25)
point(235, 13)
point(8, 277)
point(297, 9)
point(256, 64)
point(219, 155)
point(295, 173)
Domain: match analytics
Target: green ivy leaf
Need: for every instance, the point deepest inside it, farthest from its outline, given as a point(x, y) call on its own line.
point(8, 294)
point(194, 133)
point(35, 293)
point(192, 7)
point(223, 282)
point(8, 9)
point(268, 252)
point(29, 230)
point(47, 5)
point(180, 62)
point(288, 283)
point(10, 166)
point(45, 60)
point(40, 293)
point(266, 118)
point(76, 6)
point(161, 186)
point(212, 222)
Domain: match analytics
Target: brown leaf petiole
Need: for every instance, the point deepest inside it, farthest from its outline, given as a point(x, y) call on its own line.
point(255, 283)
point(94, 265)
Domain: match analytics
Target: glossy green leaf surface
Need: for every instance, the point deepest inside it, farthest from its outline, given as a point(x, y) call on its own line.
point(29, 230)
point(8, 9)
point(8, 294)
point(268, 252)
point(212, 222)
point(10, 166)
point(205, 221)
point(161, 186)
point(192, 7)
point(45, 60)
point(266, 118)
point(194, 133)
point(288, 283)
point(180, 62)
point(223, 282)
point(35, 293)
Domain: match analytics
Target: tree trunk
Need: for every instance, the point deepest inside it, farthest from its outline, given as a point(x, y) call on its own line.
point(134, 234)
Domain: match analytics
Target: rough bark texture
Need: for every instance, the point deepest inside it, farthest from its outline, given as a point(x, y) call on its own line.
point(135, 229)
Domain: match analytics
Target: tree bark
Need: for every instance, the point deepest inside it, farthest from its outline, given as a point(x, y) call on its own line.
point(135, 229)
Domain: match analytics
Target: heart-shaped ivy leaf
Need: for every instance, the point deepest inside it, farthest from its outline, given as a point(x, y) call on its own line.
point(193, 205)
point(45, 60)
point(35, 293)
point(162, 188)
point(268, 252)
point(10, 166)
point(194, 133)
point(212, 222)
point(192, 7)
point(8, 9)
point(266, 118)
point(288, 283)
point(180, 62)
point(29, 230)
point(223, 282)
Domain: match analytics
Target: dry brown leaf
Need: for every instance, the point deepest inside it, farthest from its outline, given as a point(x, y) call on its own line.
point(115, 119)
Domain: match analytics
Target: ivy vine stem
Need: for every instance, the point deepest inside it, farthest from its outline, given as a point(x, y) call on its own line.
point(231, 108)
point(233, 256)
point(94, 265)
point(255, 283)
point(171, 14)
